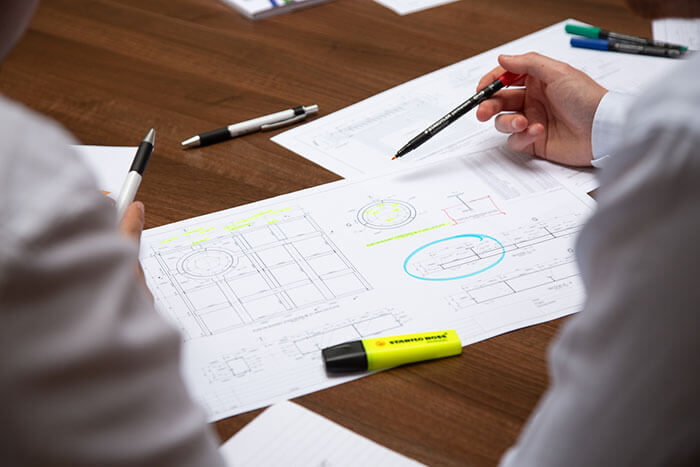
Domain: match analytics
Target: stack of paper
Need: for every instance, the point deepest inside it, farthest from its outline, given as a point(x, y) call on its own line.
point(404, 7)
point(258, 9)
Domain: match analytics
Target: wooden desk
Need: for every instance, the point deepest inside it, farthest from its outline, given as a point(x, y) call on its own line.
point(110, 69)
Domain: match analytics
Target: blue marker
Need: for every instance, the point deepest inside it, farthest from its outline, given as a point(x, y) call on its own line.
point(617, 46)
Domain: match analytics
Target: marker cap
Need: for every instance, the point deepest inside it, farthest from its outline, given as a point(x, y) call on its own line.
point(345, 358)
point(509, 78)
point(585, 31)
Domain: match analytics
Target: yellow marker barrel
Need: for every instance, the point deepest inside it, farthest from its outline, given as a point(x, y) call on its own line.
point(388, 352)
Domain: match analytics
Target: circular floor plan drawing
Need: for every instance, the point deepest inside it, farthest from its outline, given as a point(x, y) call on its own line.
point(386, 214)
point(455, 257)
point(207, 263)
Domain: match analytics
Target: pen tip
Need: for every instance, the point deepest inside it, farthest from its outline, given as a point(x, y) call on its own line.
point(190, 142)
point(151, 136)
point(393, 158)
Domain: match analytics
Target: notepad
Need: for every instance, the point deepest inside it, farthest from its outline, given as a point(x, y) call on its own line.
point(404, 7)
point(259, 9)
point(109, 165)
point(290, 435)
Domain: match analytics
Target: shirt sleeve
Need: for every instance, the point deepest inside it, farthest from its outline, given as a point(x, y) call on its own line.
point(608, 122)
point(624, 372)
point(89, 372)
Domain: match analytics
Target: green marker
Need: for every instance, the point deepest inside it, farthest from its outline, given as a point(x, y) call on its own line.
point(388, 352)
point(598, 33)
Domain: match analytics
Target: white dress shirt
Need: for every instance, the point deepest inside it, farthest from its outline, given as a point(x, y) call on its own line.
point(608, 125)
point(625, 377)
point(89, 372)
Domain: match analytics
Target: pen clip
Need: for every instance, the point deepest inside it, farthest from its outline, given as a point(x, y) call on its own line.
point(289, 121)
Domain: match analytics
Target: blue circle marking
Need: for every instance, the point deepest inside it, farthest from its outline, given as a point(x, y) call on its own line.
point(435, 279)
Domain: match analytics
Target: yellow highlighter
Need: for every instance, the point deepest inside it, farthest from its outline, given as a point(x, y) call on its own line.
point(388, 352)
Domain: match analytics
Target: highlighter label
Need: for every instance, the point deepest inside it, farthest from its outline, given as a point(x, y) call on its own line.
point(435, 337)
point(386, 352)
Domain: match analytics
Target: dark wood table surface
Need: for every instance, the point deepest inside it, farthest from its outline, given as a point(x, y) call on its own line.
point(110, 69)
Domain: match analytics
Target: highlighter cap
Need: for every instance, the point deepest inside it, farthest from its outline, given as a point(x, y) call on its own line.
point(347, 357)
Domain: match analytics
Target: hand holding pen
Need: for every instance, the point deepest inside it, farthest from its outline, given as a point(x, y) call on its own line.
point(133, 178)
point(552, 116)
point(130, 214)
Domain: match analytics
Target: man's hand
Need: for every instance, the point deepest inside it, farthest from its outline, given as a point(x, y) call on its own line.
point(132, 223)
point(131, 226)
point(552, 117)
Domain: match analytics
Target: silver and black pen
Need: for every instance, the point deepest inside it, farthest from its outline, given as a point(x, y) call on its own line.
point(266, 122)
point(133, 178)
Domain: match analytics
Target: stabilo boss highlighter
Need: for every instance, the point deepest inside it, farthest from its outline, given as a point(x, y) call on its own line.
point(387, 352)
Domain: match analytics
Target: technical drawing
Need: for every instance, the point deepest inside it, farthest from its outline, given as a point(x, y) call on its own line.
point(467, 255)
point(454, 257)
point(314, 343)
point(386, 214)
point(540, 235)
point(227, 368)
point(472, 209)
point(236, 366)
point(208, 262)
point(268, 264)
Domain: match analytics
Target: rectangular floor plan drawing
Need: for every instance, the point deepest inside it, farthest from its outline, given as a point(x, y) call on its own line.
point(214, 278)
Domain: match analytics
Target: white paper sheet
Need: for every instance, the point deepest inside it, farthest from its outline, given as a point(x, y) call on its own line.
point(110, 165)
point(362, 138)
point(482, 244)
point(290, 435)
point(679, 31)
point(404, 7)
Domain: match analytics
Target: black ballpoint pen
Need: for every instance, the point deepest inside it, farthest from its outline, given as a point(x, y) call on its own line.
point(506, 79)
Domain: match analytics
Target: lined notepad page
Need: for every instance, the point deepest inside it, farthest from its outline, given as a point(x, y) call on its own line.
point(290, 435)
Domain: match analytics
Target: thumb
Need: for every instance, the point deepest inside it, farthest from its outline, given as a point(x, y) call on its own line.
point(538, 66)
point(132, 223)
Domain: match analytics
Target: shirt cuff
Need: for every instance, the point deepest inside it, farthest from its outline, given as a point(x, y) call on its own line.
point(607, 125)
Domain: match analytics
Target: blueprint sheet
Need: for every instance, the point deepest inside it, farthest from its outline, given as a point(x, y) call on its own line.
point(482, 244)
point(362, 138)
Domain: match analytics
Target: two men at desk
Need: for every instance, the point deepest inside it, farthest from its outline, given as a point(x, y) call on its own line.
point(90, 371)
